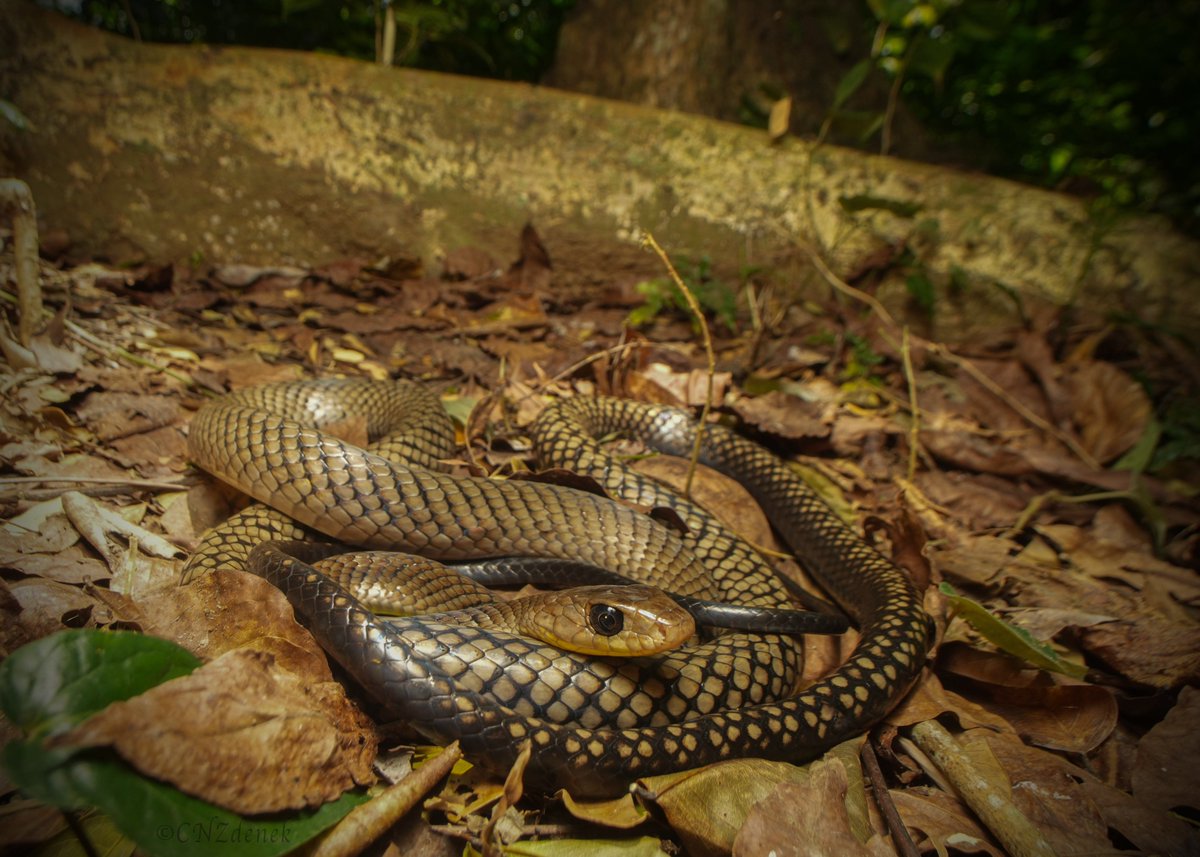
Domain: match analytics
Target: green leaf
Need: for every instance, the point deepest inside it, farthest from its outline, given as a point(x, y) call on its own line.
point(1009, 638)
point(851, 81)
point(56, 682)
point(930, 57)
point(920, 287)
point(1139, 457)
point(162, 820)
point(53, 683)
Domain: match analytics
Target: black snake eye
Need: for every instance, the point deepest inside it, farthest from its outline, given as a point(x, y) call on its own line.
point(606, 619)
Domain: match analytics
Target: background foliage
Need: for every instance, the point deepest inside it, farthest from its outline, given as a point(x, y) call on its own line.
point(1088, 96)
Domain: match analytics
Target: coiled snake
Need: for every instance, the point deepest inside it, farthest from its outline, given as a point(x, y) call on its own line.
point(493, 694)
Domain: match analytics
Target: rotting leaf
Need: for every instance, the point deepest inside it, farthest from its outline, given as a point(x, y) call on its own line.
point(269, 740)
point(1016, 641)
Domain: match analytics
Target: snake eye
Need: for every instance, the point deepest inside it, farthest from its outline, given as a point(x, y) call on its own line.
point(606, 619)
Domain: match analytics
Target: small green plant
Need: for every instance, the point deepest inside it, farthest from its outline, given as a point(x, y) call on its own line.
point(716, 297)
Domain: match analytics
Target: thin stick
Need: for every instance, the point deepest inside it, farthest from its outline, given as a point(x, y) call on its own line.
point(883, 799)
point(95, 480)
point(698, 312)
point(914, 431)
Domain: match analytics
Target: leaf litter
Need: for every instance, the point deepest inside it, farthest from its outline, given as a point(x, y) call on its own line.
point(1029, 489)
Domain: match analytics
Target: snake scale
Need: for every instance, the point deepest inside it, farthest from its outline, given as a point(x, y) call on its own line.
point(431, 676)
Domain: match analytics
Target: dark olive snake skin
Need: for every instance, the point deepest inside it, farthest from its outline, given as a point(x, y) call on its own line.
point(590, 745)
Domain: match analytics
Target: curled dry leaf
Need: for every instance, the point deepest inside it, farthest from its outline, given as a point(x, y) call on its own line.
point(255, 738)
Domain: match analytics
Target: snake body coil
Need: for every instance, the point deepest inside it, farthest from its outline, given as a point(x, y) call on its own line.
point(362, 498)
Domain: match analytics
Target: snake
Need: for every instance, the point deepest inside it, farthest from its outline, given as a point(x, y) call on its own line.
point(426, 676)
point(610, 619)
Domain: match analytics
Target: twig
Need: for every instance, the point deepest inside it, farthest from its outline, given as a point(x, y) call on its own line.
point(698, 312)
point(995, 809)
point(367, 822)
point(149, 484)
point(883, 799)
point(845, 288)
point(914, 431)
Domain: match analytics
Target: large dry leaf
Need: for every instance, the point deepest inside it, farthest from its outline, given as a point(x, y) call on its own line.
point(227, 610)
point(806, 820)
point(1166, 774)
point(785, 415)
point(1070, 717)
point(241, 733)
point(1109, 408)
point(707, 806)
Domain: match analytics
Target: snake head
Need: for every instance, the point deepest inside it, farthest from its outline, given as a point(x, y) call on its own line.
point(609, 620)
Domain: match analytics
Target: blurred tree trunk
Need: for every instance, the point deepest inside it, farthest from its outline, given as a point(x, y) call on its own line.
point(730, 60)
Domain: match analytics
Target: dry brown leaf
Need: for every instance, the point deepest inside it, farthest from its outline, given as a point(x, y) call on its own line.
point(46, 606)
point(256, 738)
point(944, 821)
point(119, 415)
point(929, 700)
point(1147, 648)
point(978, 501)
point(1166, 774)
point(1151, 830)
point(660, 383)
point(786, 416)
point(1109, 408)
point(622, 813)
point(807, 819)
point(723, 497)
point(1069, 717)
point(69, 565)
point(707, 806)
point(227, 610)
